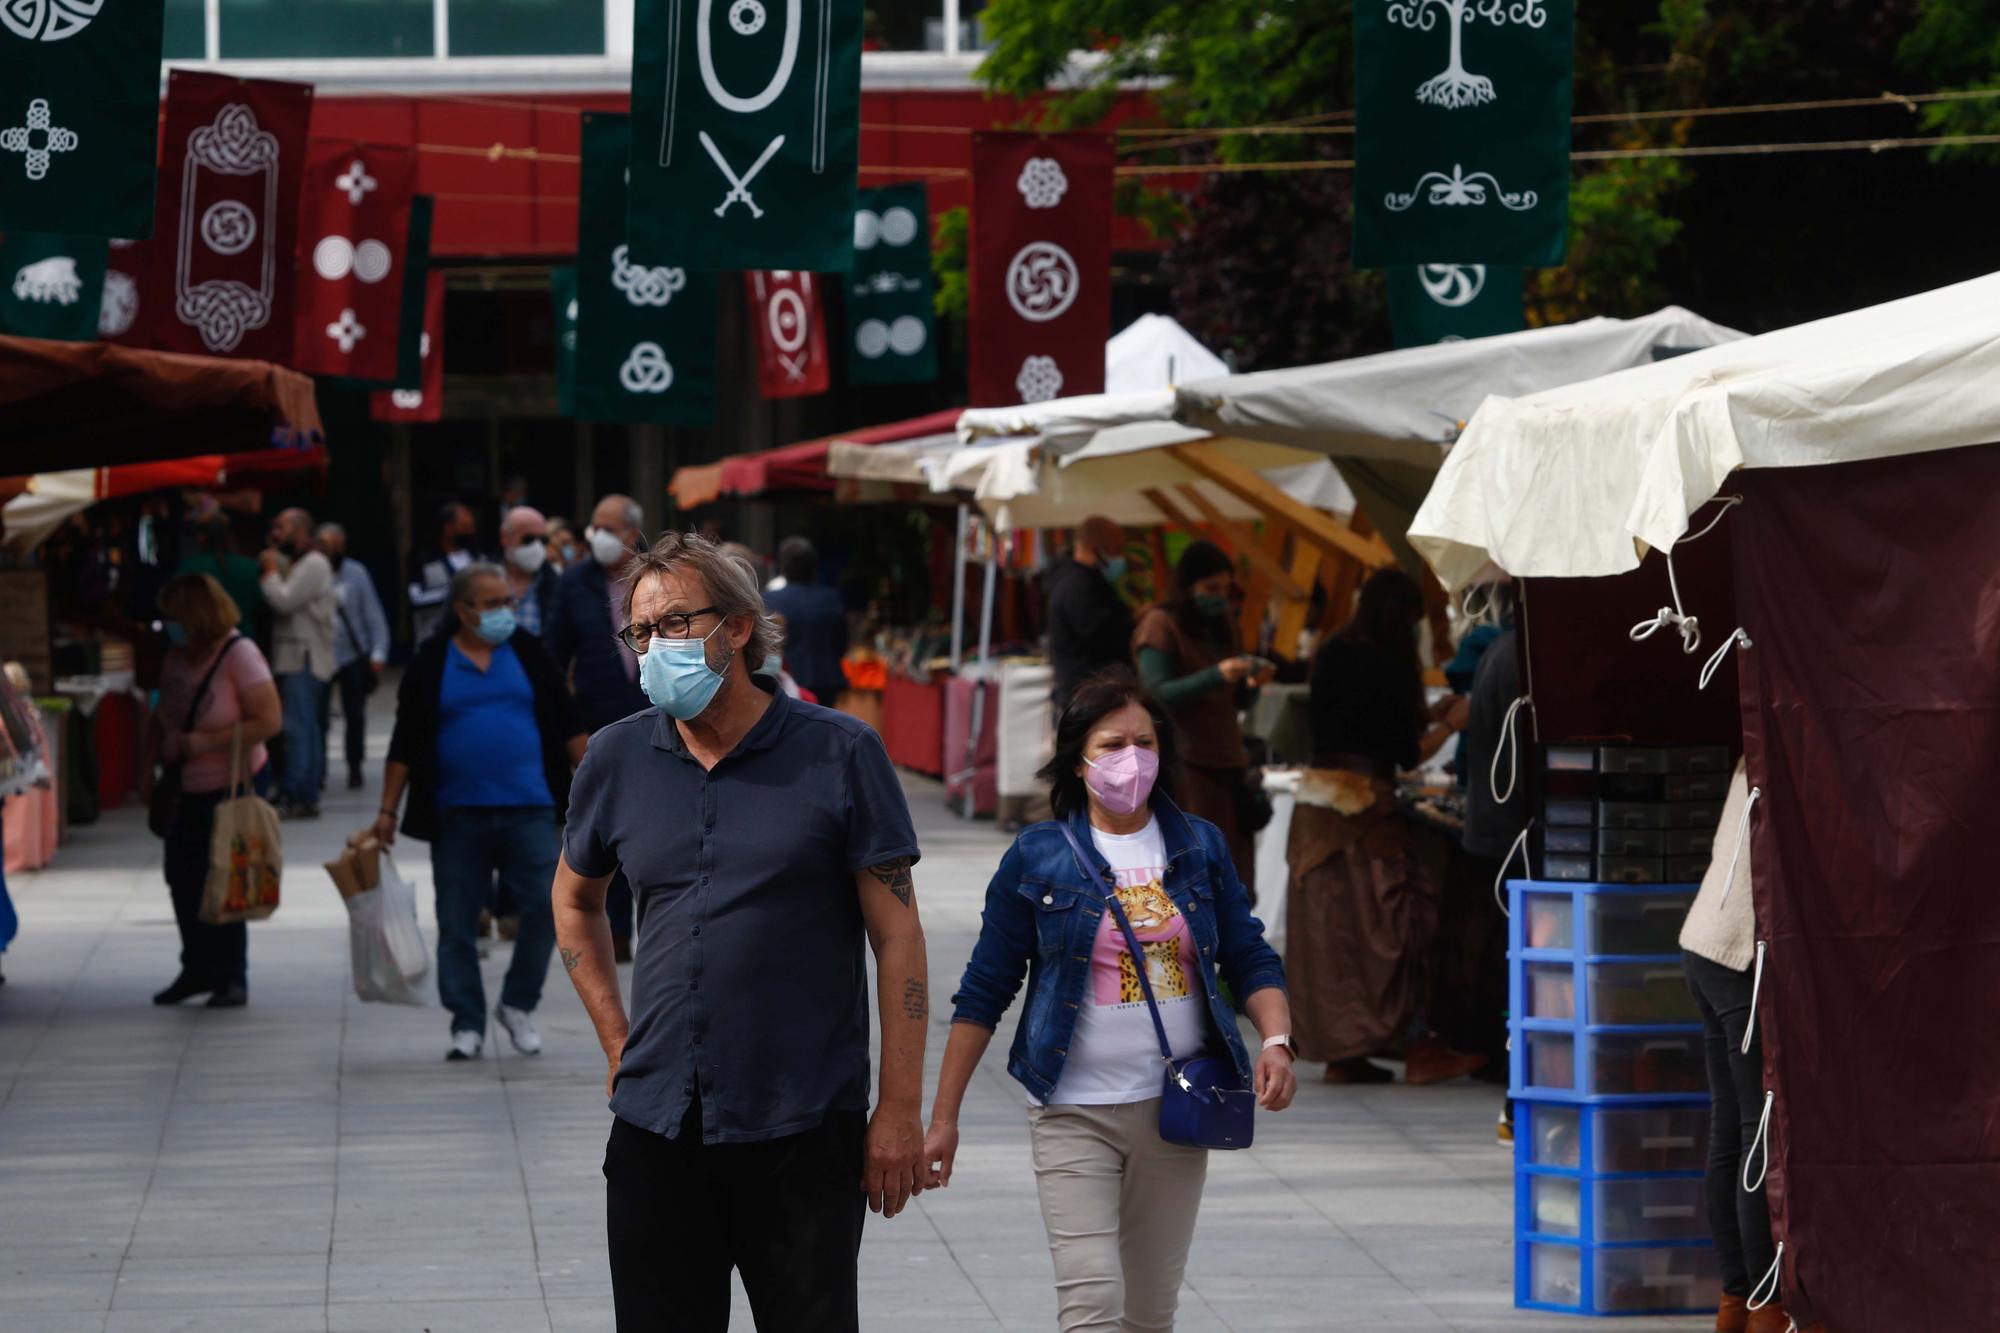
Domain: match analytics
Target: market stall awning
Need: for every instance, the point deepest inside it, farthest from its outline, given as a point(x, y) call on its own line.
point(793, 467)
point(65, 405)
point(1574, 480)
point(37, 505)
point(1154, 350)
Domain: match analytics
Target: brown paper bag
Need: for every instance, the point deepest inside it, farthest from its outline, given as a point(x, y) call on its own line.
point(245, 853)
point(346, 873)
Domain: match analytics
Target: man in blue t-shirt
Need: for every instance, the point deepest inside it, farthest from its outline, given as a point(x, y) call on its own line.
point(486, 739)
point(770, 843)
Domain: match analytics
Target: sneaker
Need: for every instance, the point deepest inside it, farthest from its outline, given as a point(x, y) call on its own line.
point(520, 1026)
point(465, 1044)
point(1503, 1131)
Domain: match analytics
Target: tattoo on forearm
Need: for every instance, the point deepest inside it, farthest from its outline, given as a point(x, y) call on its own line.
point(916, 1000)
point(571, 960)
point(895, 877)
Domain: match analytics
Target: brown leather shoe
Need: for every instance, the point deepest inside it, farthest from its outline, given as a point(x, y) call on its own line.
point(1357, 1070)
point(1770, 1319)
point(1734, 1316)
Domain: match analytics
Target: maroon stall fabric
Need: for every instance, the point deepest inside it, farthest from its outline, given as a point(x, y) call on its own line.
point(1871, 718)
point(225, 230)
point(354, 239)
point(789, 331)
point(1041, 266)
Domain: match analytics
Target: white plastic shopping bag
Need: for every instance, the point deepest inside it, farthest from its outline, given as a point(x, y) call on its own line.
point(389, 956)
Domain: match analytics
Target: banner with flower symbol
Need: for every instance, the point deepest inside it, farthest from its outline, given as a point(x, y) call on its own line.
point(891, 320)
point(51, 286)
point(1041, 266)
point(746, 133)
point(354, 220)
point(1461, 131)
point(645, 333)
point(1448, 303)
point(79, 115)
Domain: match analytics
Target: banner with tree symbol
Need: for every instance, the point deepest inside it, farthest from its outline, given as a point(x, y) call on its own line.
point(51, 286)
point(425, 402)
point(79, 115)
point(891, 320)
point(1461, 131)
point(746, 133)
point(645, 334)
point(789, 331)
point(1448, 303)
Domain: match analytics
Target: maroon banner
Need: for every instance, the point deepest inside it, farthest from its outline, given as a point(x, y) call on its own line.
point(226, 222)
point(121, 314)
point(1041, 266)
point(354, 229)
point(427, 403)
point(790, 331)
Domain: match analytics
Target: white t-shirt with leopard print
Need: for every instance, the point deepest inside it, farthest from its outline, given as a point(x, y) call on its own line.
point(1114, 1056)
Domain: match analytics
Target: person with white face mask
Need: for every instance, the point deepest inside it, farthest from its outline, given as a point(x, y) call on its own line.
point(524, 550)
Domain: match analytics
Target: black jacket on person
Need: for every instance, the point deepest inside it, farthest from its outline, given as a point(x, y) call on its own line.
point(580, 632)
point(1090, 627)
point(414, 741)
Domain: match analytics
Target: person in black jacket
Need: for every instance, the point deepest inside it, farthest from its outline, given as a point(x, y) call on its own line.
point(1090, 627)
point(486, 740)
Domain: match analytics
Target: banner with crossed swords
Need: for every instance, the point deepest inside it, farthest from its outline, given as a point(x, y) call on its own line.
point(79, 115)
point(1444, 303)
point(746, 134)
point(645, 333)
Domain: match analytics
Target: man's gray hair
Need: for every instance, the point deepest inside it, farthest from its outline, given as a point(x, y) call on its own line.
point(332, 530)
point(461, 582)
point(731, 583)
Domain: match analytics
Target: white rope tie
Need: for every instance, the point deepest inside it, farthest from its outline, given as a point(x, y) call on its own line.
point(1742, 836)
point(1737, 639)
point(1761, 1143)
point(1759, 1298)
point(1756, 985)
point(1509, 746)
point(1676, 615)
point(1520, 846)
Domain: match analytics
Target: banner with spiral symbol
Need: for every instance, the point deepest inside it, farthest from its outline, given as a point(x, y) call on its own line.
point(1462, 131)
point(354, 227)
point(1434, 303)
point(51, 286)
point(891, 321)
point(79, 116)
point(638, 340)
point(1041, 265)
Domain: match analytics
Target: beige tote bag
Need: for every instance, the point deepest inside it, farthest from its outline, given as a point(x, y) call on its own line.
point(245, 853)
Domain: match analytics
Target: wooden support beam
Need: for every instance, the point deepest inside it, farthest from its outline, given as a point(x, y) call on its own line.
point(1245, 542)
point(1322, 530)
point(1172, 512)
point(1292, 615)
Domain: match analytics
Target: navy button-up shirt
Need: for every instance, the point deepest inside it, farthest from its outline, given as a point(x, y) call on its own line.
point(749, 981)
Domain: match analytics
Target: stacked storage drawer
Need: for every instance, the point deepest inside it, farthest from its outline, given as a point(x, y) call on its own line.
point(1630, 814)
point(1611, 1103)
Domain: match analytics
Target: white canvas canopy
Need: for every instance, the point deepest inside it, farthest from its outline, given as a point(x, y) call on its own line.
point(1578, 480)
point(1154, 350)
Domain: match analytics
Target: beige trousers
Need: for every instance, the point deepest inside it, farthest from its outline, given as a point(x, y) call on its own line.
point(1119, 1204)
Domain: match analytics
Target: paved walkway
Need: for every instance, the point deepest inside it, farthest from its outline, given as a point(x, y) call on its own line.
point(311, 1163)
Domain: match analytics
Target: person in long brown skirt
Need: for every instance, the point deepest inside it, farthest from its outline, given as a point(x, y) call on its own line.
point(1185, 649)
point(1365, 881)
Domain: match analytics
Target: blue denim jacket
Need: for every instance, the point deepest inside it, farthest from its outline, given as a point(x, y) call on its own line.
point(1041, 918)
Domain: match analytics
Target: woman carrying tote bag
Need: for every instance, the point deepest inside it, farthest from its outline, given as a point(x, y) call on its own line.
point(1120, 867)
point(214, 687)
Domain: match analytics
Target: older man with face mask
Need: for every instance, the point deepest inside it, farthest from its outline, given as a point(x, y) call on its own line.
point(739, 1082)
point(531, 580)
point(297, 582)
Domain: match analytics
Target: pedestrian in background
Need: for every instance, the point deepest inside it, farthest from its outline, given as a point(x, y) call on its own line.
point(360, 649)
point(583, 625)
point(564, 548)
point(1119, 1201)
point(485, 742)
point(773, 839)
point(216, 556)
point(531, 580)
point(216, 692)
point(1090, 627)
point(815, 621)
point(431, 570)
point(299, 587)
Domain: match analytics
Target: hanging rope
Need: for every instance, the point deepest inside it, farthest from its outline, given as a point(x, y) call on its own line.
point(1737, 639)
point(1759, 1298)
point(1675, 615)
point(1742, 835)
point(1510, 746)
point(1756, 988)
point(1520, 847)
point(1760, 1144)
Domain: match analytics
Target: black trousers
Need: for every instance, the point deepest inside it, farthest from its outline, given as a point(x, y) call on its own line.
point(352, 681)
point(786, 1214)
point(216, 956)
point(1739, 1220)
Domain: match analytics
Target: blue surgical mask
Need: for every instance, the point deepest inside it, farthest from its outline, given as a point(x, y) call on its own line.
point(177, 633)
point(497, 626)
point(676, 676)
point(1114, 568)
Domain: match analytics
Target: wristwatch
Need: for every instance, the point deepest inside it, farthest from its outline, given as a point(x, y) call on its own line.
point(1291, 1047)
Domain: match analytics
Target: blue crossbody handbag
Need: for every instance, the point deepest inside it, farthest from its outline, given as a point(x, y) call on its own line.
point(1204, 1101)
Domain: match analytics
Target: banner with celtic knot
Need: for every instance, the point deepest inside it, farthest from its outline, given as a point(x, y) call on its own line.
point(1041, 266)
point(79, 115)
point(51, 286)
point(746, 133)
point(1448, 303)
point(645, 333)
point(1461, 131)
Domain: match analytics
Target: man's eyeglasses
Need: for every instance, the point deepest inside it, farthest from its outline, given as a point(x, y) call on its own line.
point(673, 625)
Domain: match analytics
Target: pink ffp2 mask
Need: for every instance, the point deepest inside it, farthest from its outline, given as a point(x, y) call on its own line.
point(1124, 778)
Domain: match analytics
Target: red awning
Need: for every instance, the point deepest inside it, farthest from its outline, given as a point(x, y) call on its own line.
point(795, 467)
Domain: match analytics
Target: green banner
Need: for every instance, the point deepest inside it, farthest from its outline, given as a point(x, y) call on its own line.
point(79, 115)
point(645, 334)
point(891, 321)
point(562, 296)
point(746, 133)
point(1461, 138)
point(1448, 303)
point(51, 286)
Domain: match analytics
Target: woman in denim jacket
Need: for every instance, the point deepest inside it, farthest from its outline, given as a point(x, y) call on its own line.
point(1119, 1202)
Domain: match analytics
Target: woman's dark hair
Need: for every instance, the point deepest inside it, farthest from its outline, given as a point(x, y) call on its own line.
point(1386, 619)
point(1093, 701)
point(1200, 560)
